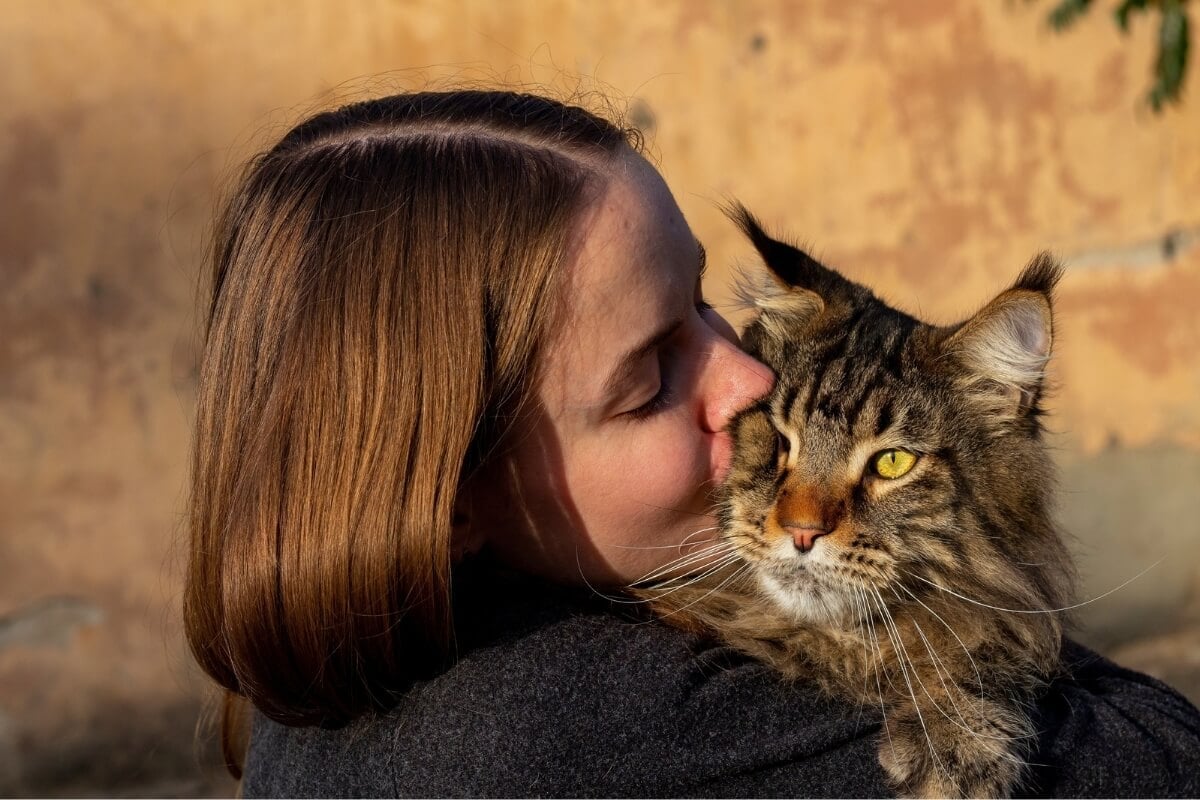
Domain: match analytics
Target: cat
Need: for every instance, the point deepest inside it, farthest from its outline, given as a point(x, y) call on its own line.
point(885, 525)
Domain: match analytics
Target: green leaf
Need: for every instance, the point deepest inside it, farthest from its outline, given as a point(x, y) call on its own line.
point(1172, 55)
point(1066, 12)
point(1125, 9)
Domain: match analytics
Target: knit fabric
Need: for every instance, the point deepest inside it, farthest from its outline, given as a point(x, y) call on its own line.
point(557, 694)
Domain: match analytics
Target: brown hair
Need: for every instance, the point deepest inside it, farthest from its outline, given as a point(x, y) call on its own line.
point(382, 282)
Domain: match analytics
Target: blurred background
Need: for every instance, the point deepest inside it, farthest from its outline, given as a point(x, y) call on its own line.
point(926, 148)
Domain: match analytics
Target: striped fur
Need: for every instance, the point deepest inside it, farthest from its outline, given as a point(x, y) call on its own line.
point(930, 595)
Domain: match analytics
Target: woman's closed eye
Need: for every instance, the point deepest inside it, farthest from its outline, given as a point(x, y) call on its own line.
point(660, 374)
point(667, 364)
point(661, 400)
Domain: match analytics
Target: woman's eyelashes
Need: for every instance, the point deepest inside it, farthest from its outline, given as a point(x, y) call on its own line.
point(662, 395)
point(661, 399)
point(668, 358)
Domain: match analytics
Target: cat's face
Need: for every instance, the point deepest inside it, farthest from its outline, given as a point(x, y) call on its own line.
point(892, 457)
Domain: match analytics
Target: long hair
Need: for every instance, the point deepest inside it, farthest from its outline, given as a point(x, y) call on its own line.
point(382, 282)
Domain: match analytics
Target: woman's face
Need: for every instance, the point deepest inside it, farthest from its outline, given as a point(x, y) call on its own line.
point(612, 480)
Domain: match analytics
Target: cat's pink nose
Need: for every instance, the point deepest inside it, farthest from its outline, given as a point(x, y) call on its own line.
point(804, 538)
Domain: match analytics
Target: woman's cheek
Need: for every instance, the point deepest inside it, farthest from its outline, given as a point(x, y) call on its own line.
point(668, 463)
point(700, 459)
point(688, 467)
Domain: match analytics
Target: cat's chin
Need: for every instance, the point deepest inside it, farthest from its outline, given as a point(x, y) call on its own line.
point(807, 600)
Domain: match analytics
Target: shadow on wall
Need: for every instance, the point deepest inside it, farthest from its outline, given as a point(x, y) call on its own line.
point(1133, 515)
point(117, 750)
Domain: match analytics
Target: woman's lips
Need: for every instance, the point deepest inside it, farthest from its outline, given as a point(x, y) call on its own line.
point(722, 456)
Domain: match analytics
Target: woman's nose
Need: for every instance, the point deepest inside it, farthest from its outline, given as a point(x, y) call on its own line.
point(733, 381)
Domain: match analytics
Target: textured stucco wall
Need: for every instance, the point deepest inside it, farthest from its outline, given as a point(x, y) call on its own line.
point(927, 148)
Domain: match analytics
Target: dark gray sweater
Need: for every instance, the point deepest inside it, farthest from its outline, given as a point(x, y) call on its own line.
point(558, 694)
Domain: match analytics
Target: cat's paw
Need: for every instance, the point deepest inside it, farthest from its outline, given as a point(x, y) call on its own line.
point(908, 765)
point(926, 757)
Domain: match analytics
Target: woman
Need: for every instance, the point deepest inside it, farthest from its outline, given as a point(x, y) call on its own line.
point(459, 373)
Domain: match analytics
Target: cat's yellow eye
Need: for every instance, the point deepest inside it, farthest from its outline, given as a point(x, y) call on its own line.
point(892, 464)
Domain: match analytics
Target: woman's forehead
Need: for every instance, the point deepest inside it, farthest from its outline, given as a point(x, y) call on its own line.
point(634, 266)
point(632, 236)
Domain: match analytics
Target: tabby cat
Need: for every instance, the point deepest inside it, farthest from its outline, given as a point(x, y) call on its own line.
point(885, 524)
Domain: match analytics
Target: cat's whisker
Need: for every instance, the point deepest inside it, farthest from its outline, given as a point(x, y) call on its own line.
point(974, 665)
point(685, 569)
point(594, 590)
point(678, 546)
point(901, 656)
point(887, 674)
point(736, 573)
point(936, 662)
point(687, 539)
point(966, 726)
point(721, 543)
point(1039, 610)
point(664, 590)
point(879, 659)
point(916, 672)
point(624, 599)
point(876, 664)
point(669, 587)
point(860, 613)
point(687, 559)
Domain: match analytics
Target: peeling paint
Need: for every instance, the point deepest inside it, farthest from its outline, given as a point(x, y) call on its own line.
point(50, 622)
point(1153, 252)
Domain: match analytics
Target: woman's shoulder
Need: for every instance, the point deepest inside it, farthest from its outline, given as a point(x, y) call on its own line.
point(556, 693)
point(1107, 731)
point(609, 701)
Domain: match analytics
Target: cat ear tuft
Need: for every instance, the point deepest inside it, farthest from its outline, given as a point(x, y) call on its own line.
point(1006, 346)
point(794, 282)
point(791, 266)
point(1041, 274)
point(775, 254)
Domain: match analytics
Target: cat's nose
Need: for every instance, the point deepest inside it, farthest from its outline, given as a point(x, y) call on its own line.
point(804, 537)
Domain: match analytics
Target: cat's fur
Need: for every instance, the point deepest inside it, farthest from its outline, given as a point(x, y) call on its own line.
point(924, 595)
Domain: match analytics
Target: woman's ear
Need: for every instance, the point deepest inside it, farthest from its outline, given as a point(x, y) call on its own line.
point(465, 539)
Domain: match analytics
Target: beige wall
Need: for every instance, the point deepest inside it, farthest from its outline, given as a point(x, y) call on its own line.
point(926, 148)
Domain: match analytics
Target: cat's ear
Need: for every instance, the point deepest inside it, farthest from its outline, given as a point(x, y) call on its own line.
point(794, 282)
point(1005, 347)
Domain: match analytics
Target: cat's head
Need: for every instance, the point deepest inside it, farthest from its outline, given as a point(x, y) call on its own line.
point(894, 461)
